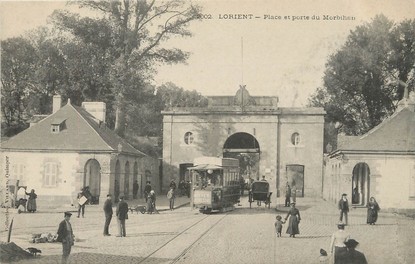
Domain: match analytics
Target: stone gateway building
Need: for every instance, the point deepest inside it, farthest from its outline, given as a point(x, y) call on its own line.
point(282, 144)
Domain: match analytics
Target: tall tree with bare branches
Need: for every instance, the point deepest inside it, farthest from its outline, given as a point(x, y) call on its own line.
point(133, 33)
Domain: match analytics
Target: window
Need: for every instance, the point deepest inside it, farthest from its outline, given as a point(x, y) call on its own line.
point(50, 174)
point(18, 171)
point(57, 125)
point(55, 129)
point(188, 138)
point(295, 139)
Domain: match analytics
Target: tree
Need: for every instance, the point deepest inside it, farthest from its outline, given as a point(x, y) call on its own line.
point(146, 119)
point(361, 85)
point(133, 31)
point(17, 67)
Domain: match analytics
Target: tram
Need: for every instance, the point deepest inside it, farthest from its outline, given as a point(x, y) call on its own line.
point(215, 184)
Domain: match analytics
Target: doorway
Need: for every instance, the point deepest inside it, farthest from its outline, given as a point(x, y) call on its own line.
point(360, 184)
point(92, 178)
point(295, 178)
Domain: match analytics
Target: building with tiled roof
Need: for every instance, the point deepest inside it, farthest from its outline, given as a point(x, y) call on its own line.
point(73, 148)
point(379, 164)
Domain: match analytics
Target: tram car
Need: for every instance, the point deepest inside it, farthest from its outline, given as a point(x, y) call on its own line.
point(215, 184)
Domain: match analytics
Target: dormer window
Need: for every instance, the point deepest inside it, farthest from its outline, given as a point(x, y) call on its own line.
point(57, 126)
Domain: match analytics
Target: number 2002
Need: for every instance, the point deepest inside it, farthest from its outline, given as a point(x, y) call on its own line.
point(205, 16)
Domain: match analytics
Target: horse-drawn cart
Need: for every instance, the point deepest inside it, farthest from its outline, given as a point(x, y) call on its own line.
point(259, 192)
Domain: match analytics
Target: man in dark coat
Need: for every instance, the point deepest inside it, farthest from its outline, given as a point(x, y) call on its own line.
point(135, 189)
point(122, 215)
point(65, 235)
point(351, 256)
point(344, 208)
point(108, 214)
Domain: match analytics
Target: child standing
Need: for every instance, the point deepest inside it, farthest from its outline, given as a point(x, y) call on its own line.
point(278, 225)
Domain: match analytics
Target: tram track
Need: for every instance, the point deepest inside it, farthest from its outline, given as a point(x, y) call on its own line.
point(187, 249)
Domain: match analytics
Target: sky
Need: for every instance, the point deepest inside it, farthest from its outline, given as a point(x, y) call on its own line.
point(280, 50)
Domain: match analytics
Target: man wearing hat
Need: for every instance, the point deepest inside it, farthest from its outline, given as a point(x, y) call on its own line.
point(122, 215)
point(65, 235)
point(351, 256)
point(344, 208)
point(108, 214)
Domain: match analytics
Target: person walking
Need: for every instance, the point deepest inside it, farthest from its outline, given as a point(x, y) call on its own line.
point(351, 255)
point(287, 195)
point(372, 211)
point(31, 202)
point(82, 199)
point(337, 245)
point(242, 185)
point(135, 189)
point(122, 214)
point(173, 185)
point(65, 235)
point(295, 218)
point(344, 209)
point(171, 197)
point(151, 203)
point(108, 214)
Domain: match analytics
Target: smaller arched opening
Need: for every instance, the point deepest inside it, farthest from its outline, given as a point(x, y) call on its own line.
point(127, 180)
point(117, 180)
point(92, 179)
point(360, 184)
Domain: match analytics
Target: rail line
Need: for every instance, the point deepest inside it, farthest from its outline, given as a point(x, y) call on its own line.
point(177, 258)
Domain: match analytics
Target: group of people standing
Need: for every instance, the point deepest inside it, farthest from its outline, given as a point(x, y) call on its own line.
point(342, 246)
point(372, 210)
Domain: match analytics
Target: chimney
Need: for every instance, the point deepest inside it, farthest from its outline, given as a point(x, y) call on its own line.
point(57, 103)
point(97, 109)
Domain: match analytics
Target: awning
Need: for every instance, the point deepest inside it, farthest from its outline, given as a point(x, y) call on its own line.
point(205, 167)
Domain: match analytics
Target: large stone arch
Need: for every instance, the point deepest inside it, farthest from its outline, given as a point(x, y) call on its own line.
point(245, 147)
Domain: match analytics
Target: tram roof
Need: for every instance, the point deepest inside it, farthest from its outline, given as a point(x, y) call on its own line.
point(206, 167)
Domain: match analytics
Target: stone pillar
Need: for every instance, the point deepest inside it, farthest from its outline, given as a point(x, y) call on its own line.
point(106, 186)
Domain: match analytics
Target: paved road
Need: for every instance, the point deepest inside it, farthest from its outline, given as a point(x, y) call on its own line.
point(241, 236)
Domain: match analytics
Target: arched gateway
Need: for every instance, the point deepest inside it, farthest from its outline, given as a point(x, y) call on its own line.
point(245, 148)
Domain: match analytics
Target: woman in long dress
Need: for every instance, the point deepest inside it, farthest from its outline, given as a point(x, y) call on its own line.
point(294, 220)
point(31, 202)
point(372, 211)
